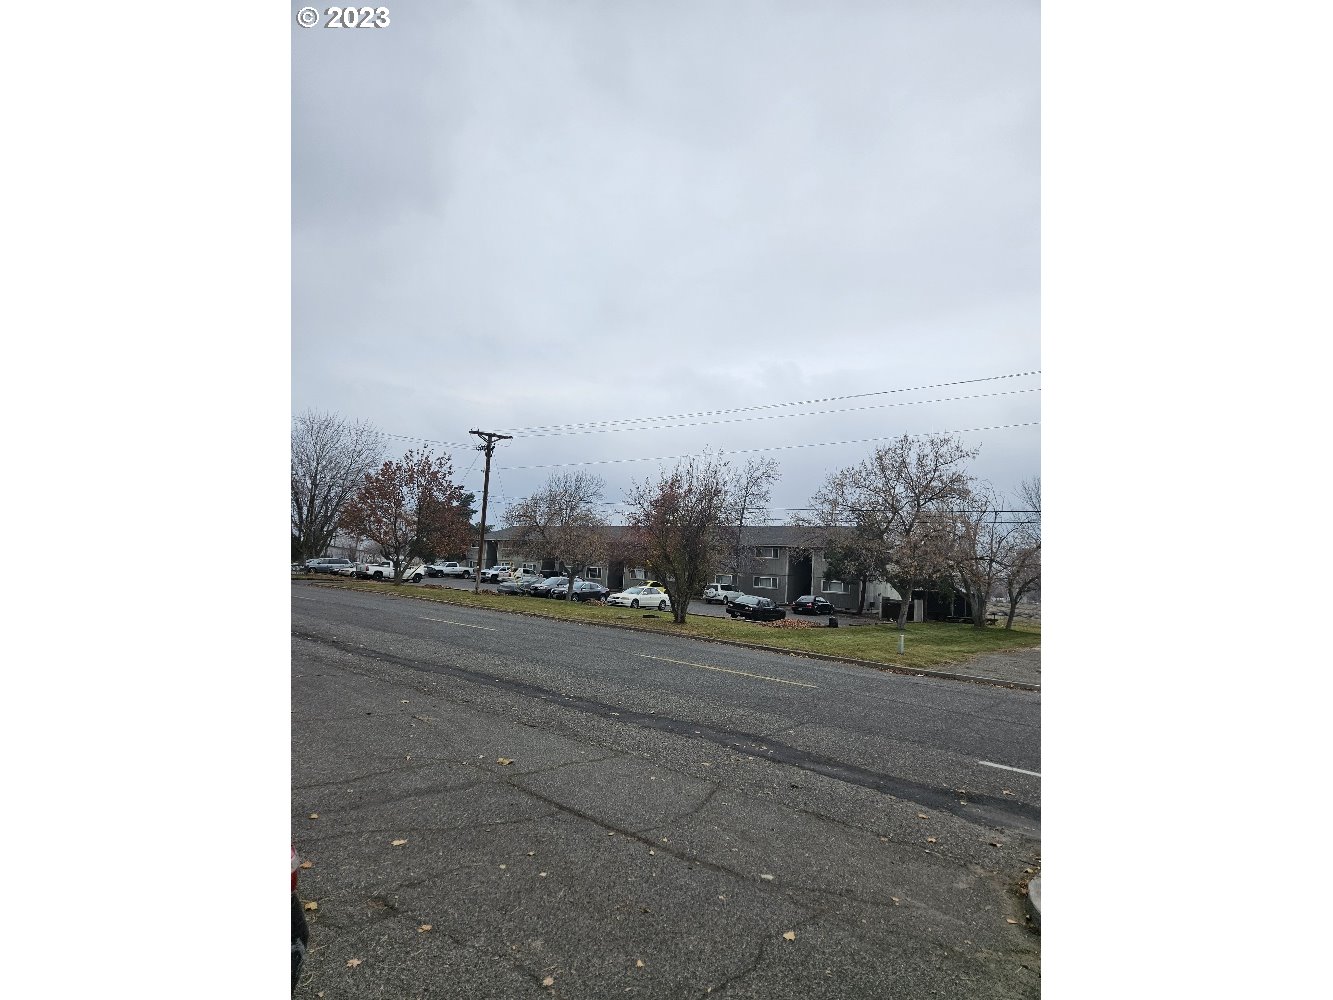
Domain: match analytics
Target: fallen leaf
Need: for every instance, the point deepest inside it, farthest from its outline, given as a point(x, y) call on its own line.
point(503, 867)
point(541, 874)
point(307, 864)
point(996, 843)
point(423, 928)
point(895, 899)
point(789, 936)
point(352, 963)
point(403, 702)
point(652, 852)
point(767, 878)
point(314, 815)
point(920, 815)
point(1005, 791)
point(312, 905)
point(504, 761)
point(531, 853)
point(1010, 920)
point(548, 981)
point(930, 840)
point(638, 964)
point(397, 843)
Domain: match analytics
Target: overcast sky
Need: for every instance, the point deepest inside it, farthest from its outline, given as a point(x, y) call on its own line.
point(519, 216)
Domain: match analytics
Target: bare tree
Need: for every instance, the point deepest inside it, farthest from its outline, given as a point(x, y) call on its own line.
point(987, 537)
point(677, 522)
point(562, 521)
point(845, 558)
point(410, 507)
point(330, 460)
point(898, 508)
point(1022, 570)
point(751, 488)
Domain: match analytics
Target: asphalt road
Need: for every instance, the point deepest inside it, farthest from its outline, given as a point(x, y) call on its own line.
point(670, 810)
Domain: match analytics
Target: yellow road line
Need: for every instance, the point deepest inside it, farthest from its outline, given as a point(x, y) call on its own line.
point(724, 670)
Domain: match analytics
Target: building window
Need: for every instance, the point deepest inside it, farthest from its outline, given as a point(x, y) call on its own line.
point(722, 579)
point(594, 572)
point(766, 551)
point(833, 587)
point(532, 566)
point(765, 583)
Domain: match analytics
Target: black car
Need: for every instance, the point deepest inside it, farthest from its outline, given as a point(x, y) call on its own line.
point(812, 604)
point(584, 590)
point(550, 584)
point(755, 609)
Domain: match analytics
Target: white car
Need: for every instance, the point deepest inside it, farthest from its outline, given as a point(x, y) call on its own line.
point(720, 593)
point(641, 597)
point(447, 569)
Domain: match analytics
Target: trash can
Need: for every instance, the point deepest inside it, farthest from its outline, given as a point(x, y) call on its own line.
point(833, 623)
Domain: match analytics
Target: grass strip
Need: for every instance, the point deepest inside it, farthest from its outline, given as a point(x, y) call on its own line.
point(927, 645)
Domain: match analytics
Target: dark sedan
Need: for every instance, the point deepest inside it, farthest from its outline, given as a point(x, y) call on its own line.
point(584, 590)
point(550, 584)
point(812, 604)
point(755, 609)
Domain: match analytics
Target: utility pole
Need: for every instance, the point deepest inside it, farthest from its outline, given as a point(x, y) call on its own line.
point(488, 446)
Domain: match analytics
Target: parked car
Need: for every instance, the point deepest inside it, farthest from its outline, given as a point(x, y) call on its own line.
point(492, 574)
point(755, 609)
point(585, 590)
point(550, 584)
point(812, 604)
point(348, 570)
point(414, 573)
point(325, 565)
point(519, 586)
point(641, 597)
point(720, 593)
point(300, 930)
point(450, 568)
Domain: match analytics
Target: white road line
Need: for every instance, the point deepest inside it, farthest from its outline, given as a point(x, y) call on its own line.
point(446, 621)
point(724, 670)
point(300, 598)
point(1006, 767)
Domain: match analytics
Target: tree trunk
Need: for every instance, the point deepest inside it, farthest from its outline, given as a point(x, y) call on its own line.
point(861, 601)
point(904, 606)
point(1013, 607)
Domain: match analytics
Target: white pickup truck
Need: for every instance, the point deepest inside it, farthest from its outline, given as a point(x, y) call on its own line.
point(447, 569)
point(382, 569)
point(374, 569)
point(494, 574)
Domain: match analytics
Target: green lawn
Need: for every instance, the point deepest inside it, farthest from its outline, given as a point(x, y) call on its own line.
point(926, 644)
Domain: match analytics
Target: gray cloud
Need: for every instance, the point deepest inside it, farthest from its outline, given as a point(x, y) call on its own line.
point(514, 214)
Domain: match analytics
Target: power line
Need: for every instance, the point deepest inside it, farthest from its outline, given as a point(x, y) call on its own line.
point(748, 451)
point(777, 416)
point(538, 430)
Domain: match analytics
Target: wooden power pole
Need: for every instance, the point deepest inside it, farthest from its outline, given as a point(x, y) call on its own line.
point(488, 446)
